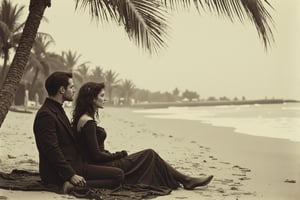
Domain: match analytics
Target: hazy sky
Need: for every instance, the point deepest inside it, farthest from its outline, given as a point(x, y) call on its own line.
point(207, 54)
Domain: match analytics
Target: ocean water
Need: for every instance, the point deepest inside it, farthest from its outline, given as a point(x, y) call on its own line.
point(268, 120)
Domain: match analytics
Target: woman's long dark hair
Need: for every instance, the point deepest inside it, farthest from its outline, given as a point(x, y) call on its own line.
point(84, 103)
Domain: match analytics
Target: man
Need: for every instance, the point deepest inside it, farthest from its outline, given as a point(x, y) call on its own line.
point(60, 160)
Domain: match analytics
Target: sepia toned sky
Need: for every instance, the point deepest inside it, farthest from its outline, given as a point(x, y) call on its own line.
point(205, 53)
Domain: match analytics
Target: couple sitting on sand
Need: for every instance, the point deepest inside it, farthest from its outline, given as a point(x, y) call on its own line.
point(73, 154)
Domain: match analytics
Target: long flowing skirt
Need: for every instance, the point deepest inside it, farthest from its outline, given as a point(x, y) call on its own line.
point(145, 167)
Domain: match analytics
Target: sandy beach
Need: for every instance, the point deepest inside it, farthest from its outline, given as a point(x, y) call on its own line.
point(244, 166)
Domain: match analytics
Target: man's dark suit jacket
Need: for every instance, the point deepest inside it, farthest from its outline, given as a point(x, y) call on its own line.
point(58, 153)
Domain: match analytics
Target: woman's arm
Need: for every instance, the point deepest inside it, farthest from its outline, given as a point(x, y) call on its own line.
point(89, 131)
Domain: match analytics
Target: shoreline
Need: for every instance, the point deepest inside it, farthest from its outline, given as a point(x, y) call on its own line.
point(210, 103)
point(245, 167)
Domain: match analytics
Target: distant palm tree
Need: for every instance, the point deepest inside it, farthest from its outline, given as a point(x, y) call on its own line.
point(111, 82)
point(58, 62)
point(144, 21)
point(80, 75)
point(10, 29)
point(79, 71)
point(97, 74)
point(71, 60)
point(175, 93)
point(40, 60)
point(127, 89)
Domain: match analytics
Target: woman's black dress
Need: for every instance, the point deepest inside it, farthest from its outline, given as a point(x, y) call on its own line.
point(144, 167)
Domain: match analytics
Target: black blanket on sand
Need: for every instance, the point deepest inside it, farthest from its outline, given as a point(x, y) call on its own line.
point(30, 181)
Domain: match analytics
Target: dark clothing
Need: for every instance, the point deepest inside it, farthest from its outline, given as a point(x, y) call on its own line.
point(144, 167)
point(102, 176)
point(59, 154)
point(93, 144)
point(30, 181)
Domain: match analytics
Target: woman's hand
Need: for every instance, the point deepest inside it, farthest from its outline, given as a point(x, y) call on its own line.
point(121, 154)
point(124, 153)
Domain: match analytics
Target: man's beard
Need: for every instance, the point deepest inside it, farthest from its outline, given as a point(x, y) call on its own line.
point(68, 98)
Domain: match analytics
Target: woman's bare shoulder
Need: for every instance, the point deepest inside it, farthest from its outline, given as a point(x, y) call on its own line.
point(83, 120)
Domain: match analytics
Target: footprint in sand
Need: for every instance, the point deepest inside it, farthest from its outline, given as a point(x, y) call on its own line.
point(207, 148)
point(221, 190)
point(30, 161)
point(224, 181)
point(11, 157)
point(244, 178)
point(226, 163)
point(154, 134)
point(245, 170)
point(196, 165)
point(236, 185)
point(239, 174)
point(289, 181)
point(242, 169)
point(249, 193)
point(212, 167)
point(213, 158)
point(234, 188)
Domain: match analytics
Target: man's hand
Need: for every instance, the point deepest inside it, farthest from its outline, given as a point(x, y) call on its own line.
point(78, 180)
point(124, 153)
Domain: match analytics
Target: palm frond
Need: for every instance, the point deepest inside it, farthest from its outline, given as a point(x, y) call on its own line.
point(111, 77)
point(34, 62)
point(19, 27)
point(253, 10)
point(70, 59)
point(84, 65)
point(42, 42)
point(10, 14)
point(5, 33)
point(143, 20)
point(16, 14)
point(98, 9)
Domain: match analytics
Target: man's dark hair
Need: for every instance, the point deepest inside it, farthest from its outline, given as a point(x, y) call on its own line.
point(56, 80)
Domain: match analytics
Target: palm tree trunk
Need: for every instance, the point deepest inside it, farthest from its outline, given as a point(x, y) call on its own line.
point(33, 81)
point(109, 94)
point(127, 98)
point(3, 71)
point(17, 68)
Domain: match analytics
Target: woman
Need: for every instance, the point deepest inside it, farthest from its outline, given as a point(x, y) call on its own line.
point(144, 167)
